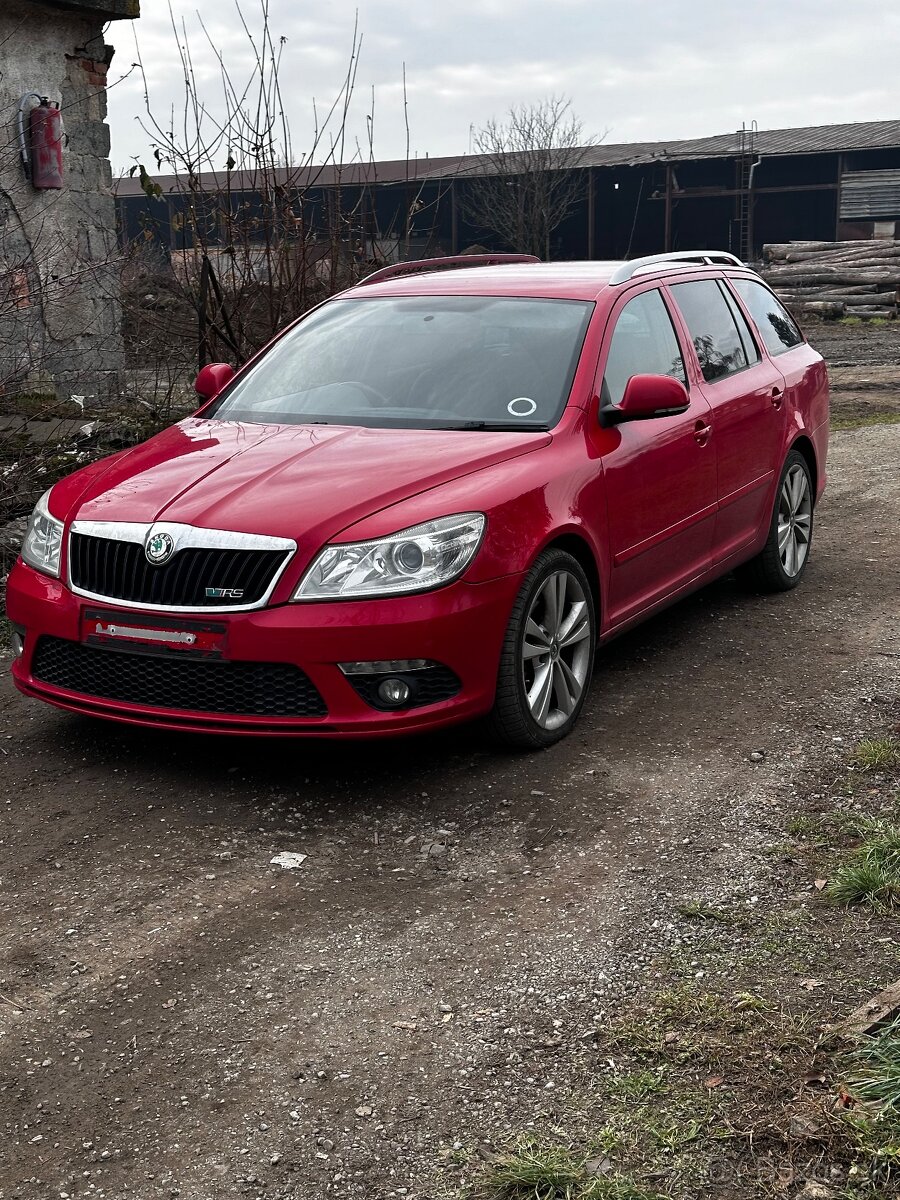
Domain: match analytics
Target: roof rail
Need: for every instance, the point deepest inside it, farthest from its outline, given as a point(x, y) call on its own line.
point(417, 266)
point(705, 258)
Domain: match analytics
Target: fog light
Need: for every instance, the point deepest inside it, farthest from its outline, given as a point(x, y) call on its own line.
point(393, 691)
point(17, 642)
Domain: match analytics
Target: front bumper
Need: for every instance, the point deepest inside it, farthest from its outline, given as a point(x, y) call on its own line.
point(461, 626)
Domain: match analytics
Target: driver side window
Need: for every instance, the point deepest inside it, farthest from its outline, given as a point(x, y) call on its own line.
point(643, 343)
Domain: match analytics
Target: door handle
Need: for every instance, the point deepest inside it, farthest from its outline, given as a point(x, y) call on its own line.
point(702, 432)
point(777, 397)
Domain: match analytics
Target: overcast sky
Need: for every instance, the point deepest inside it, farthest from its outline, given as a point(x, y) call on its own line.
point(647, 70)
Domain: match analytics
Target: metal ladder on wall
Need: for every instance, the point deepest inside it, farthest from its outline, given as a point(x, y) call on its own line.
point(746, 156)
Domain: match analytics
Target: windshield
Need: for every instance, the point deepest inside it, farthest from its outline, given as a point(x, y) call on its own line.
point(418, 362)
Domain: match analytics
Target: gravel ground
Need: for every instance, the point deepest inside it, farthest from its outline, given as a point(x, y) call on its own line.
point(179, 1017)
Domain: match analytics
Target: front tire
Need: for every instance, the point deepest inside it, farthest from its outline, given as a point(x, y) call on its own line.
point(547, 655)
point(780, 564)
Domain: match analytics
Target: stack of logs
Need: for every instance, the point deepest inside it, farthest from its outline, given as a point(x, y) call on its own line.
point(836, 279)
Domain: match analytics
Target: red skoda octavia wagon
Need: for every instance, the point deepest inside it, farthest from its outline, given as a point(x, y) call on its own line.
point(429, 500)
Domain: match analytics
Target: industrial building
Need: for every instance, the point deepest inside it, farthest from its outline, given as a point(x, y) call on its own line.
point(734, 191)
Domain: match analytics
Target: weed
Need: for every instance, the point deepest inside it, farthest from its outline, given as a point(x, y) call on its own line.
point(534, 1170)
point(747, 1000)
point(638, 1085)
point(606, 1141)
point(872, 876)
point(672, 1135)
point(701, 910)
point(877, 754)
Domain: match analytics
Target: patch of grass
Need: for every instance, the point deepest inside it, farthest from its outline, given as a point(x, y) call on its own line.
point(804, 825)
point(874, 1071)
point(536, 1170)
point(875, 1175)
point(878, 416)
point(865, 320)
point(872, 875)
point(873, 1126)
point(32, 404)
point(877, 754)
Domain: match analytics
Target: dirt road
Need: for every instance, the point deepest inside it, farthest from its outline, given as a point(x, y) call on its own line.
point(181, 1018)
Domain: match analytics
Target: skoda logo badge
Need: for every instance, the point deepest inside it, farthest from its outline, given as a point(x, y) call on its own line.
point(159, 547)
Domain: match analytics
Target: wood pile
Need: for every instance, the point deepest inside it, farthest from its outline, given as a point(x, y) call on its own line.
point(836, 279)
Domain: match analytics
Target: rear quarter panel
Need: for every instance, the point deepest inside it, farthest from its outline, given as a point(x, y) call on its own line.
point(806, 383)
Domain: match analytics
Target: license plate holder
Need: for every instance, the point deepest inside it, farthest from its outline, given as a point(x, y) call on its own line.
point(144, 633)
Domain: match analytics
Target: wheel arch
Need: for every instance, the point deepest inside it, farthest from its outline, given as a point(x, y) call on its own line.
point(579, 548)
point(803, 445)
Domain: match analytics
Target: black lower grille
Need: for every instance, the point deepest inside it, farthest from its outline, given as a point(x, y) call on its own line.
point(239, 688)
point(120, 570)
point(430, 685)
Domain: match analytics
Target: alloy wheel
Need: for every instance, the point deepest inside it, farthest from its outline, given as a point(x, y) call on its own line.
point(556, 650)
point(794, 520)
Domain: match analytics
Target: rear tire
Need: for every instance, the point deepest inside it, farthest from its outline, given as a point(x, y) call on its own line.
point(547, 655)
point(780, 564)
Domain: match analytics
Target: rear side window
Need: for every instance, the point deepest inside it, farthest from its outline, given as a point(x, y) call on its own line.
point(748, 341)
point(722, 347)
point(775, 324)
point(643, 343)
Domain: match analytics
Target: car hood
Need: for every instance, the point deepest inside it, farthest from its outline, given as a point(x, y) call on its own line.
point(304, 482)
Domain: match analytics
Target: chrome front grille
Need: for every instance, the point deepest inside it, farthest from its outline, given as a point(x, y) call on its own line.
point(208, 570)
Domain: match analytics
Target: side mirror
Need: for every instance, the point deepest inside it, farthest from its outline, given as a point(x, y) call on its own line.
point(212, 378)
point(648, 396)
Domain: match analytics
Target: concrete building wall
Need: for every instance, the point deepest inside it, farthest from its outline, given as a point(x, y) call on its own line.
point(60, 318)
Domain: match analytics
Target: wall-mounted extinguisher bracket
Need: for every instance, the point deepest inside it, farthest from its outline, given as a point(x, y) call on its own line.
point(41, 146)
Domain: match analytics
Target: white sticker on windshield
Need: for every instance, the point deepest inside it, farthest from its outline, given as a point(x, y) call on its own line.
point(522, 406)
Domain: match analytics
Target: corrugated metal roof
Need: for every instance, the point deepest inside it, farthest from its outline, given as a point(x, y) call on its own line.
point(870, 195)
point(811, 139)
point(352, 174)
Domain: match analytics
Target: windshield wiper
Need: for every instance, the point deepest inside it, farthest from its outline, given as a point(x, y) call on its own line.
point(494, 426)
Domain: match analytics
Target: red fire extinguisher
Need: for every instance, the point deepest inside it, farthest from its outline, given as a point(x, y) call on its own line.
point(42, 155)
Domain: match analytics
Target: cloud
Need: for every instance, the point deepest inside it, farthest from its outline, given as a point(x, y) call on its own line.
point(649, 70)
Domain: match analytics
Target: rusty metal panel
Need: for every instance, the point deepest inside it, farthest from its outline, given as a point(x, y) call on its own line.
point(870, 195)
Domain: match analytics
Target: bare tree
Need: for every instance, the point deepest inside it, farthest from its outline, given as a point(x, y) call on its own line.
point(527, 176)
point(260, 229)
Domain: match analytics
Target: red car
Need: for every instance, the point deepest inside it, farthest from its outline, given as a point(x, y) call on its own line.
point(429, 500)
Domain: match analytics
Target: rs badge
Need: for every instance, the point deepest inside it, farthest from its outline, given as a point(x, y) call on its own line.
point(224, 593)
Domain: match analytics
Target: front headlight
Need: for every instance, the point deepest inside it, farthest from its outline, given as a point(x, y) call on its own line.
point(413, 560)
point(43, 539)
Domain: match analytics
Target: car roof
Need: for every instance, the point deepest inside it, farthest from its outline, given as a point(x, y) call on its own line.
point(565, 280)
point(549, 280)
